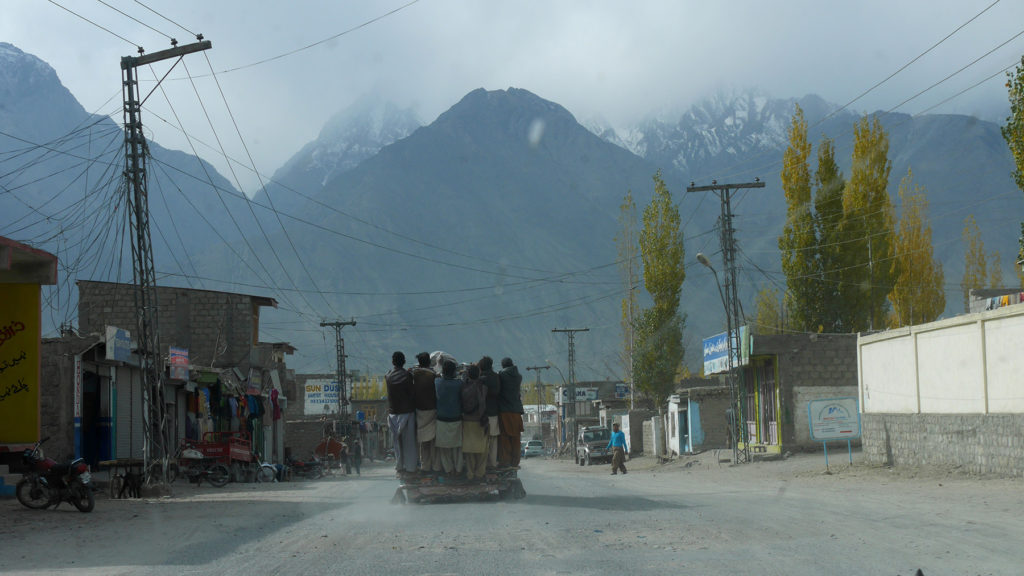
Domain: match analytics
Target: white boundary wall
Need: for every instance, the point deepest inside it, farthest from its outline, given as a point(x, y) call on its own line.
point(971, 364)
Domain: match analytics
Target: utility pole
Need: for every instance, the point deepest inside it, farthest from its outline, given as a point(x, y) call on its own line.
point(570, 413)
point(733, 318)
point(143, 272)
point(540, 396)
point(339, 344)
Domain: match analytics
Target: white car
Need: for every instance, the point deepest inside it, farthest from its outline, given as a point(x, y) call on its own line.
point(533, 448)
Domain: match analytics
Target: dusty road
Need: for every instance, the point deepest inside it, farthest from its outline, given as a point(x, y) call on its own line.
point(690, 517)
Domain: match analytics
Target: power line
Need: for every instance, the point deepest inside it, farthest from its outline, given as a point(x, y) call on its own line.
point(166, 18)
point(319, 42)
point(905, 66)
point(107, 30)
point(126, 15)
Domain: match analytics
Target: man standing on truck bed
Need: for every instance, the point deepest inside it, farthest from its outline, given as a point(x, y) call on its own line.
point(510, 414)
point(401, 414)
point(619, 449)
point(425, 396)
point(493, 385)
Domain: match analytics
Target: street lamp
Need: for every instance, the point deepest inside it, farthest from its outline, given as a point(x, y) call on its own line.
point(737, 410)
point(564, 407)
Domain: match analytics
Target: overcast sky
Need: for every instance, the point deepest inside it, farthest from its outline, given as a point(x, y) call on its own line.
point(617, 60)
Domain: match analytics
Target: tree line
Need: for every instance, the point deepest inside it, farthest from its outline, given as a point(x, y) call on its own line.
point(850, 262)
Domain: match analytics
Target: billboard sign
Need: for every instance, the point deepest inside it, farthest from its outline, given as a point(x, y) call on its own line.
point(321, 397)
point(583, 394)
point(179, 363)
point(19, 363)
point(716, 352)
point(834, 419)
point(119, 344)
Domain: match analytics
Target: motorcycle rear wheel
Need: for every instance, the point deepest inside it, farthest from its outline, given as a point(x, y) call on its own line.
point(32, 494)
point(218, 475)
point(82, 498)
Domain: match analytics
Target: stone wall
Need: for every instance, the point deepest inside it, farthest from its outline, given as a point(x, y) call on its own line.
point(973, 443)
point(713, 421)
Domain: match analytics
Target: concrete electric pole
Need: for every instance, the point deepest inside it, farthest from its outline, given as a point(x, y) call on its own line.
point(339, 344)
point(570, 412)
point(150, 352)
point(733, 321)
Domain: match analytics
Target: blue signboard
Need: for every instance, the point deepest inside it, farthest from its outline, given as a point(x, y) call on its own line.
point(716, 352)
point(119, 344)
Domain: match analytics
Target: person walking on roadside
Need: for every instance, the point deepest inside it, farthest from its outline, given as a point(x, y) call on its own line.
point(401, 414)
point(356, 455)
point(510, 414)
point(619, 449)
point(493, 385)
point(425, 397)
point(448, 441)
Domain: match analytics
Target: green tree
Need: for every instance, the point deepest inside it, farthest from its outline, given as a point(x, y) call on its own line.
point(627, 243)
point(659, 351)
point(1013, 133)
point(869, 270)
point(768, 313)
point(828, 216)
point(798, 242)
point(918, 295)
point(980, 270)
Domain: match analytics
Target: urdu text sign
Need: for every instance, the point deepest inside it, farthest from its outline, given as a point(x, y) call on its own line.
point(19, 363)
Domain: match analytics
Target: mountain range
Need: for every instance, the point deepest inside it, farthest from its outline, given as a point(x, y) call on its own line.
point(477, 233)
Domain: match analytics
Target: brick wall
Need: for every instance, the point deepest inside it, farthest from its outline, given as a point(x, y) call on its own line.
point(973, 443)
point(713, 421)
point(213, 325)
point(816, 365)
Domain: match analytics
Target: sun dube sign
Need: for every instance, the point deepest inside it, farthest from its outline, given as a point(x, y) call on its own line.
point(321, 397)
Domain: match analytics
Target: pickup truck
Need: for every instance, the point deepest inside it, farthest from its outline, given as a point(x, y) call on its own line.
point(592, 445)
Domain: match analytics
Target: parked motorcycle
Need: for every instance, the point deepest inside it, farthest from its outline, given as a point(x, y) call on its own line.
point(47, 483)
point(311, 469)
point(197, 467)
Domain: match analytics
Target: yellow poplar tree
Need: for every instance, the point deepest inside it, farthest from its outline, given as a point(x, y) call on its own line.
point(869, 270)
point(917, 296)
point(798, 242)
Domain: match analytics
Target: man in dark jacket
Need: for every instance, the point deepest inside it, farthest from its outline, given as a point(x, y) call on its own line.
point(448, 439)
point(401, 414)
point(510, 414)
point(426, 412)
point(490, 380)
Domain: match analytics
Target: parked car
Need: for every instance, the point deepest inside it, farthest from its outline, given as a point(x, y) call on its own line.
point(592, 445)
point(533, 448)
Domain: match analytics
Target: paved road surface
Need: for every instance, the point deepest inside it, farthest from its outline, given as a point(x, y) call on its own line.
point(763, 518)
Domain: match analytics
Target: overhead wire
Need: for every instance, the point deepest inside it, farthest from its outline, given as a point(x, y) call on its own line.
point(284, 230)
point(107, 30)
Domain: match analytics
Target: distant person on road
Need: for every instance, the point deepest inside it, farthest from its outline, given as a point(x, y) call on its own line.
point(619, 449)
point(448, 441)
point(493, 385)
point(474, 439)
point(425, 396)
point(356, 455)
point(401, 414)
point(510, 414)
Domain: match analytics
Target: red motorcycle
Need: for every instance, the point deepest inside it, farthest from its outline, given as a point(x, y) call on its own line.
point(46, 483)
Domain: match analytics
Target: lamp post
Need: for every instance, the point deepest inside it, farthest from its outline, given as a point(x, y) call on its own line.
point(565, 387)
point(737, 409)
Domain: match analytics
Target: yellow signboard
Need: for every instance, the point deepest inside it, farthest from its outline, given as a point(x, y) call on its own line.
point(19, 363)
